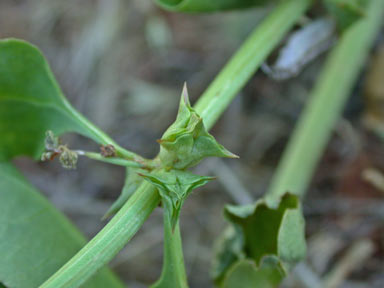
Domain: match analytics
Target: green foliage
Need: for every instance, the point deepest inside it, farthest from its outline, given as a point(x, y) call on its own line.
point(266, 238)
point(30, 102)
point(35, 239)
point(245, 274)
point(186, 142)
point(273, 238)
point(174, 186)
point(208, 6)
point(347, 12)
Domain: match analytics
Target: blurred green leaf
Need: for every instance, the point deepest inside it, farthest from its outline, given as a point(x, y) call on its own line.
point(174, 187)
point(31, 103)
point(291, 238)
point(35, 239)
point(263, 232)
point(186, 142)
point(208, 6)
point(228, 250)
point(347, 12)
point(245, 274)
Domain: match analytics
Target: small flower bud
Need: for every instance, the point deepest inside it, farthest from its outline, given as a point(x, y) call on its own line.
point(51, 141)
point(68, 158)
point(108, 150)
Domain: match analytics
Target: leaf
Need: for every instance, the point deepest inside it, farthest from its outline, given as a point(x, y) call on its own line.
point(35, 239)
point(32, 103)
point(245, 274)
point(347, 12)
point(174, 186)
point(208, 6)
point(263, 232)
point(228, 250)
point(186, 142)
point(132, 182)
point(291, 241)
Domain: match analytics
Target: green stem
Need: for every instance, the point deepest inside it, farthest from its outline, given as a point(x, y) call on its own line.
point(325, 106)
point(104, 246)
point(109, 241)
point(173, 273)
point(248, 59)
point(114, 160)
point(99, 136)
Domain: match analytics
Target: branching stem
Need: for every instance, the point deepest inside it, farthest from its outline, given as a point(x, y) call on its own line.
point(105, 245)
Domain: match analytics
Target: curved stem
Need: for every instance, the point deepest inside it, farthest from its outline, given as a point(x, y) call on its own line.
point(173, 273)
point(99, 136)
point(104, 246)
point(325, 106)
point(109, 241)
point(116, 160)
point(248, 59)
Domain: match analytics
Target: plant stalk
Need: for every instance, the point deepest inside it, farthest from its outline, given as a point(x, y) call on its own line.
point(99, 136)
point(114, 160)
point(173, 273)
point(248, 59)
point(325, 105)
point(109, 241)
point(106, 244)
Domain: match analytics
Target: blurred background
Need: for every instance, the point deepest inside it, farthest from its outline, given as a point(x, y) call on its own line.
point(123, 63)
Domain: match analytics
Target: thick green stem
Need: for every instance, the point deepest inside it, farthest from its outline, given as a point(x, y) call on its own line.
point(248, 59)
point(104, 246)
point(325, 106)
point(173, 273)
point(109, 241)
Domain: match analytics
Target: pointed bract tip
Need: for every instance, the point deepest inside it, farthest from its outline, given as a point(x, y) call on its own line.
point(231, 155)
point(184, 94)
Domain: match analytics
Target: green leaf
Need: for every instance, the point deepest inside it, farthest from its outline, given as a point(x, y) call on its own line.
point(208, 6)
point(264, 232)
point(174, 186)
point(132, 182)
point(347, 12)
point(245, 274)
point(32, 103)
point(35, 239)
point(228, 250)
point(291, 239)
point(186, 142)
